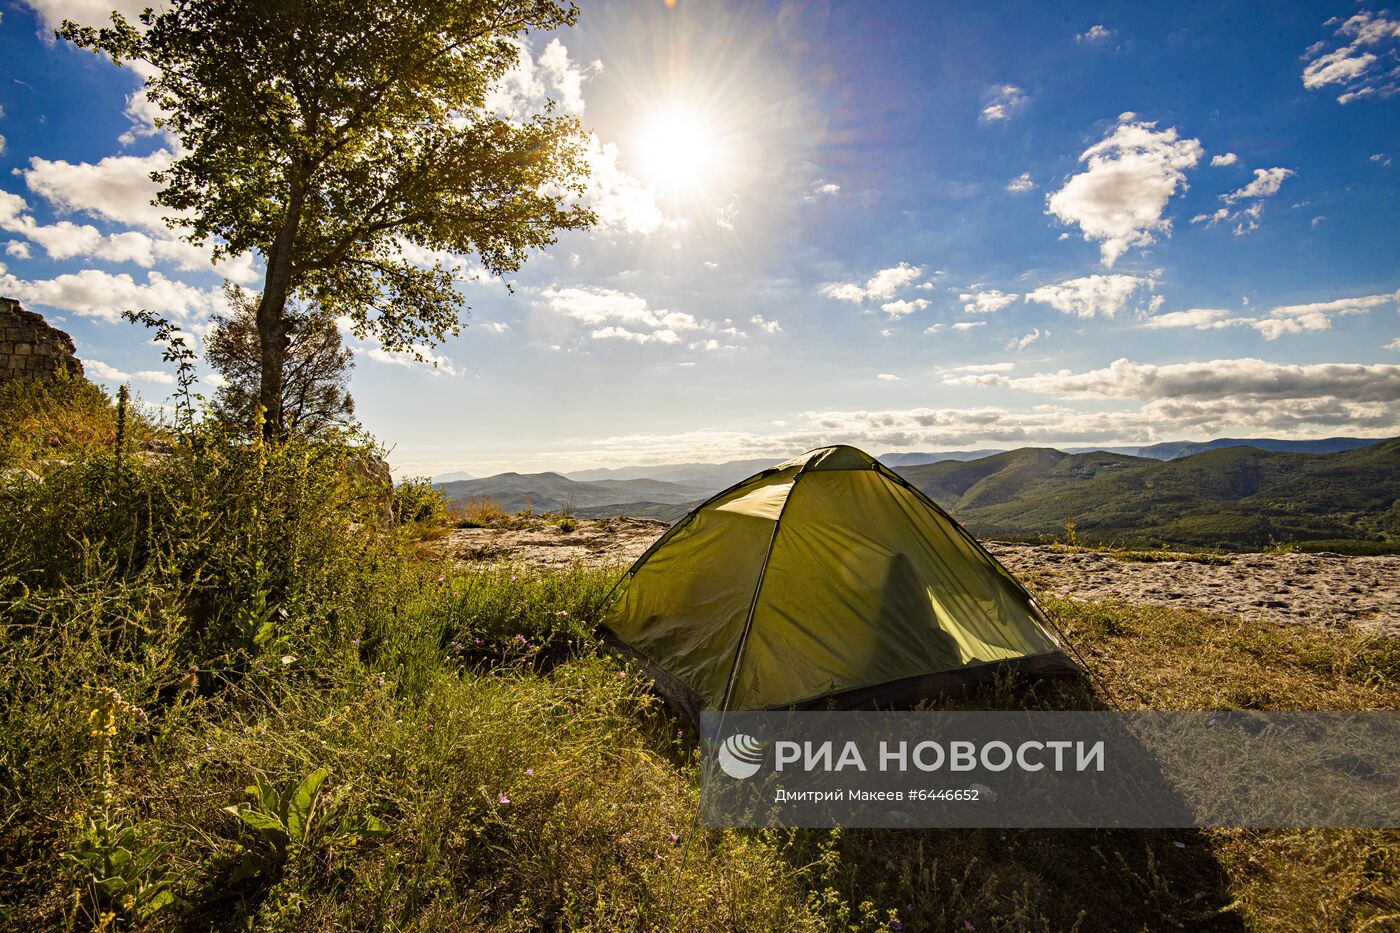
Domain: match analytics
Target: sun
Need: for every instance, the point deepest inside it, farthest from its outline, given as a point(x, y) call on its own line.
point(678, 150)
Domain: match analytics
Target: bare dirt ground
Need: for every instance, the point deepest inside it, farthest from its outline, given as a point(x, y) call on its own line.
point(1320, 590)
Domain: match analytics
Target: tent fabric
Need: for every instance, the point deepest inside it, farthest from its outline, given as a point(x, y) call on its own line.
point(825, 581)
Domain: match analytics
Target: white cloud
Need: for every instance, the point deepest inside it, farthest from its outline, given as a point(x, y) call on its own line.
point(882, 285)
point(1025, 340)
point(1265, 184)
point(903, 307)
point(1315, 316)
point(616, 315)
point(978, 374)
point(85, 12)
point(1090, 296)
point(968, 325)
point(1394, 344)
point(768, 327)
point(887, 377)
point(1002, 102)
point(1132, 173)
point(820, 190)
point(1095, 33)
point(117, 188)
point(1196, 318)
point(92, 293)
point(1351, 66)
point(494, 327)
point(1216, 380)
point(1225, 158)
point(986, 302)
point(725, 216)
point(1020, 183)
point(622, 203)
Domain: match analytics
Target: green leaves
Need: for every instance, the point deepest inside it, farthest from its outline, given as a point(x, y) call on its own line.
point(122, 873)
point(289, 823)
point(342, 138)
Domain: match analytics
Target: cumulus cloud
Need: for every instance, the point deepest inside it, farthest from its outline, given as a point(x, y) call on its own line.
point(978, 374)
point(887, 377)
point(987, 301)
point(1131, 175)
point(1285, 319)
point(1363, 65)
point(1002, 102)
point(821, 190)
point(1095, 33)
point(616, 315)
point(1225, 158)
point(1266, 184)
point(117, 188)
point(768, 327)
point(96, 294)
point(968, 325)
point(1025, 340)
point(1020, 183)
point(1196, 318)
point(1394, 344)
point(880, 286)
point(1090, 296)
point(903, 307)
point(1214, 380)
point(623, 204)
point(1315, 316)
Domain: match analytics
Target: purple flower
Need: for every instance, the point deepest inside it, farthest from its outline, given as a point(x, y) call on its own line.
point(522, 639)
point(478, 642)
point(562, 612)
point(622, 673)
point(896, 925)
point(969, 925)
point(530, 771)
point(502, 798)
point(675, 837)
point(456, 646)
point(430, 727)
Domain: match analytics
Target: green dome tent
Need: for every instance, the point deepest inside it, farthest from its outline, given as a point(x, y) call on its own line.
point(825, 581)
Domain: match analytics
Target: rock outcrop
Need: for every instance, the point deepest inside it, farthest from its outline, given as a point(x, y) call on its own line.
point(30, 348)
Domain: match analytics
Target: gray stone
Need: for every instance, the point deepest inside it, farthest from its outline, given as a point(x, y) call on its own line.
point(32, 349)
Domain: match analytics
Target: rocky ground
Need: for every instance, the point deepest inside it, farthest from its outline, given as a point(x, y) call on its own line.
point(1320, 590)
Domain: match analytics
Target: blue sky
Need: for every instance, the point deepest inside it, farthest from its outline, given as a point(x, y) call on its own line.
point(905, 226)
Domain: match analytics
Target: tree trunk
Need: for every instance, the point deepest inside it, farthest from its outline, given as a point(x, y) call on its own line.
point(273, 332)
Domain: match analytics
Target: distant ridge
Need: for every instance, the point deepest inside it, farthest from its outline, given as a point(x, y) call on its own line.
point(1226, 492)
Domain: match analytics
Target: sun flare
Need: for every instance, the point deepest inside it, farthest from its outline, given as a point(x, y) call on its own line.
point(678, 150)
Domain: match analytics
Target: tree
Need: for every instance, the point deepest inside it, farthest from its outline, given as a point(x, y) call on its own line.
point(333, 137)
point(314, 375)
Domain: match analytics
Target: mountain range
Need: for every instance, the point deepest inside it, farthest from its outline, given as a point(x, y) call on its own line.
point(1226, 492)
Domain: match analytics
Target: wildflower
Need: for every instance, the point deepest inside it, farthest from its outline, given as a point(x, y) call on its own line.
point(1211, 723)
point(430, 727)
point(621, 673)
point(478, 642)
point(502, 798)
point(522, 639)
point(440, 579)
point(355, 642)
point(562, 612)
point(969, 925)
point(530, 771)
point(675, 837)
point(896, 925)
point(456, 646)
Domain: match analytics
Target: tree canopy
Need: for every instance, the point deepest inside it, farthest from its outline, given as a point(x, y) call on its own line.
point(342, 140)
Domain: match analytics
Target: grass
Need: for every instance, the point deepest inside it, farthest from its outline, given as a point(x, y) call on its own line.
point(523, 780)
